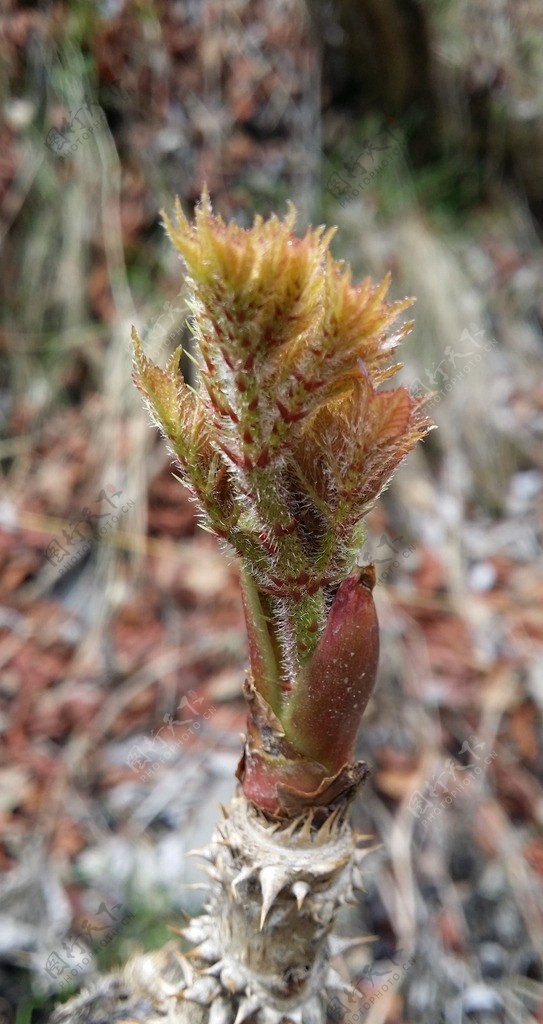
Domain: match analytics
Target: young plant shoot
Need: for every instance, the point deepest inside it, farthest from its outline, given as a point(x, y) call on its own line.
point(287, 439)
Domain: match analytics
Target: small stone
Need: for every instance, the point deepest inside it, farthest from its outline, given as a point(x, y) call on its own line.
point(493, 959)
point(508, 924)
point(481, 999)
point(482, 576)
point(531, 966)
point(493, 882)
point(19, 113)
point(422, 995)
point(462, 862)
point(221, 1012)
point(523, 488)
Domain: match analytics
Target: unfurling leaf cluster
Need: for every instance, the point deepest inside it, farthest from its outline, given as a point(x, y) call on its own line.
point(289, 436)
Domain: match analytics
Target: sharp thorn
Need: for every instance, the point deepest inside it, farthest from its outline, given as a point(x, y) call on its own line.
point(206, 950)
point(338, 945)
point(357, 879)
point(202, 991)
point(210, 871)
point(328, 826)
point(361, 837)
point(242, 876)
point(300, 890)
point(195, 932)
point(221, 1011)
point(289, 831)
point(360, 855)
point(215, 969)
point(246, 1008)
point(335, 982)
point(305, 833)
point(272, 879)
point(203, 851)
point(233, 979)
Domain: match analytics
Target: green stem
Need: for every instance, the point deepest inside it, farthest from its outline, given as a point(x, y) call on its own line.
point(264, 665)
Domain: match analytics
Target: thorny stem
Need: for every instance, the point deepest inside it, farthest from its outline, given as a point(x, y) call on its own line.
point(262, 951)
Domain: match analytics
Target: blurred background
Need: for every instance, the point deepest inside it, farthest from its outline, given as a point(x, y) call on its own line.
point(416, 126)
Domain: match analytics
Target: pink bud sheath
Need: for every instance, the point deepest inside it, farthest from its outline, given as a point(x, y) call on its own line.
point(331, 694)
